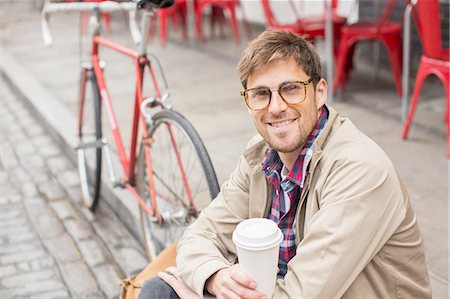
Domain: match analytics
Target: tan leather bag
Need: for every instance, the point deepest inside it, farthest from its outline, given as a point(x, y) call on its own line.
point(131, 286)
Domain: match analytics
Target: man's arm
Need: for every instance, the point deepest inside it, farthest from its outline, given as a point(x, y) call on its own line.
point(361, 206)
point(206, 246)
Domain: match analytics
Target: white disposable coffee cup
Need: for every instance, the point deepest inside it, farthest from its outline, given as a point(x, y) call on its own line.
point(257, 242)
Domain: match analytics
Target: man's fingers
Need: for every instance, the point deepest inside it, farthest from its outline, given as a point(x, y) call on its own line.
point(241, 290)
point(173, 271)
point(238, 275)
point(167, 277)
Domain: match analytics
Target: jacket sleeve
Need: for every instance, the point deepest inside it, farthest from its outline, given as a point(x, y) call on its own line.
point(360, 207)
point(206, 245)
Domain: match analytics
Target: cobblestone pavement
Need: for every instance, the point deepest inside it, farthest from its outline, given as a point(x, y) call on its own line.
point(50, 247)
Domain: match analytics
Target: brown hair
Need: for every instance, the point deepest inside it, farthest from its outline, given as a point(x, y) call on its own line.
point(279, 44)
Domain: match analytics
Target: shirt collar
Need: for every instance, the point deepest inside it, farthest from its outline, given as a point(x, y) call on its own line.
point(272, 162)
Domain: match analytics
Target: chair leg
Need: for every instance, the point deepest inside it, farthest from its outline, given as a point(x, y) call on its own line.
point(395, 59)
point(248, 27)
point(163, 28)
point(421, 75)
point(341, 62)
point(183, 12)
point(198, 21)
point(233, 22)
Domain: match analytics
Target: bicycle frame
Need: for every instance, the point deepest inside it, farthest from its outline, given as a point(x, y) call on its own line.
point(128, 162)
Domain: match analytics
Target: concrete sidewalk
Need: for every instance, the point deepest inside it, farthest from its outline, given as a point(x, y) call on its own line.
point(205, 88)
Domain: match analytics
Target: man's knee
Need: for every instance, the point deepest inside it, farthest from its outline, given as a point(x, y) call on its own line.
point(156, 288)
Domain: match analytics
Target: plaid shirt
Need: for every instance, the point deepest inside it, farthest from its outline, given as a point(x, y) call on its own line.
point(287, 190)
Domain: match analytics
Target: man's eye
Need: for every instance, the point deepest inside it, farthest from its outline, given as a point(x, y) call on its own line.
point(260, 93)
point(290, 88)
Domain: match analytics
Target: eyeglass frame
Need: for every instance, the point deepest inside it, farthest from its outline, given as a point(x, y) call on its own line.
point(304, 83)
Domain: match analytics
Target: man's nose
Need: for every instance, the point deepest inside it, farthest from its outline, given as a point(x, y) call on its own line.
point(277, 104)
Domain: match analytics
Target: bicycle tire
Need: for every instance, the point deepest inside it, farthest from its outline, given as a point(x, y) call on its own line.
point(172, 197)
point(90, 157)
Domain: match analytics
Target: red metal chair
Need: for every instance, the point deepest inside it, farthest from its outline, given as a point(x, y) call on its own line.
point(178, 14)
point(383, 30)
point(217, 14)
point(311, 26)
point(434, 60)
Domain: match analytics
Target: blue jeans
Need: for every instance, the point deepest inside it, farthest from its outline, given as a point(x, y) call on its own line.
point(156, 288)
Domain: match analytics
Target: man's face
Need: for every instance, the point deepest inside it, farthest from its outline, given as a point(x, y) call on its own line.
point(286, 128)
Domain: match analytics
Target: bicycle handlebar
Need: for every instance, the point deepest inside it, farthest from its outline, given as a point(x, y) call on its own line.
point(105, 6)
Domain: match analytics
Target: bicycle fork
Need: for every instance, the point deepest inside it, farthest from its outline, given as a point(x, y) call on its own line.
point(87, 70)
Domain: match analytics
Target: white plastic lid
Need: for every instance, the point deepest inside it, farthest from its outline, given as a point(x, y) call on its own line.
point(257, 234)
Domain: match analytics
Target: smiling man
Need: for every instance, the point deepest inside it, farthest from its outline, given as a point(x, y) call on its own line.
point(348, 225)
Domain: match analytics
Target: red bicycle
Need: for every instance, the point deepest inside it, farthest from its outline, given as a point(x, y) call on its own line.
point(172, 177)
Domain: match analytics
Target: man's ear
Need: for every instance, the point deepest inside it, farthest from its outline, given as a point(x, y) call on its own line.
point(321, 92)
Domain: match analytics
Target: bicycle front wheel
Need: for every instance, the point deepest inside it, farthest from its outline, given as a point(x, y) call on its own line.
point(90, 141)
point(184, 179)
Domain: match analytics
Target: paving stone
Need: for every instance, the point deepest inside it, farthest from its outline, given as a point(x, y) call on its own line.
point(11, 212)
point(109, 280)
point(11, 199)
point(50, 150)
point(30, 289)
point(93, 252)
point(14, 128)
point(18, 247)
point(22, 238)
point(51, 189)
point(63, 249)
point(31, 161)
point(7, 271)
point(7, 158)
point(24, 149)
point(29, 189)
point(40, 176)
point(53, 294)
point(14, 231)
point(43, 218)
point(33, 131)
point(58, 164)
point(69, 178)
point(17, 137)
point(79, 279)
point(7, 294)
point(24, 266)
point(42, 140)
point(21, 113)
point(63, 209)
point(19, 257)
point(20, 175)
point(131, 259)
point(19, 279)
point(78, 229)
point(13, 222)
point(74, 194)
point(27, 121)
point(42, 263)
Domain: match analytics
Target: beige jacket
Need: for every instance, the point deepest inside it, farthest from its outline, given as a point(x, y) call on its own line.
point(357, 232)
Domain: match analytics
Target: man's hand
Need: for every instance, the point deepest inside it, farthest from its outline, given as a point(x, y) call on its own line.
point(171, 278)
point(233, 282)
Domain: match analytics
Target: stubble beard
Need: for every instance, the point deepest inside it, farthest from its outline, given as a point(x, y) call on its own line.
point(306, 124)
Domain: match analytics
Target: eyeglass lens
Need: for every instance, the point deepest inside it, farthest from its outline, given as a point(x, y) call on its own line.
point(292, 93)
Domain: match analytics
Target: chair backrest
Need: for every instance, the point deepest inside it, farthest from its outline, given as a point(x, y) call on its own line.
point(386, 13)
point(270, 18)
point(428, 22)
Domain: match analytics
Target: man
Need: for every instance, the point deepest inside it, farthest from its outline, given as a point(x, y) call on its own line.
point(349, 229)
